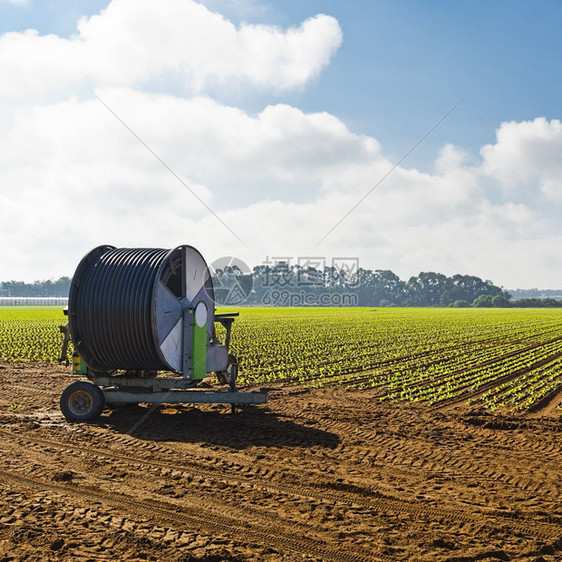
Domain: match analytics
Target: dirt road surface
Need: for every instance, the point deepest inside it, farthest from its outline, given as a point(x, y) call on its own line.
point(326, 474)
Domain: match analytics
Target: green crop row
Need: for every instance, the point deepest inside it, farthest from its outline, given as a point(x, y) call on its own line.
point(31, 334)
point(426, 355)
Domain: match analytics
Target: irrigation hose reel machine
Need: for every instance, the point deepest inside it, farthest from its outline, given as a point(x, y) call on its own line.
point(134, 312)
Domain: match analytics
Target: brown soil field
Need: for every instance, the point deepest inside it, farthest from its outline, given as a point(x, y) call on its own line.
point(328, 474)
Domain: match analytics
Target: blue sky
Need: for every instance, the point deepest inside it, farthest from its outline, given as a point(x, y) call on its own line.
point(379, 75)
point(402, 64)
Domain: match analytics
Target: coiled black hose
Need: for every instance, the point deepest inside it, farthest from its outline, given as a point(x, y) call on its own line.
point(110, 308)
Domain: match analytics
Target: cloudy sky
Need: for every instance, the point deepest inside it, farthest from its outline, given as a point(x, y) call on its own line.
point(280, 116)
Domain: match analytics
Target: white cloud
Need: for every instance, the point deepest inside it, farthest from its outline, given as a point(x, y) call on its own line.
point(527, 156)
point(78, 178)
point(139, 42)
point(451, 159)
point(72, 177)
point(277, 153)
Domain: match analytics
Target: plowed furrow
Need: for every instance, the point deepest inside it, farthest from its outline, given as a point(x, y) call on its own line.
point(358, 496)
point(191, 517)
point(392, 451)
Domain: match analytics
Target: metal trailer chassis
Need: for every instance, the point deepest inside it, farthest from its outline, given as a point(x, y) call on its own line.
point(123, 389)
point(84, 401)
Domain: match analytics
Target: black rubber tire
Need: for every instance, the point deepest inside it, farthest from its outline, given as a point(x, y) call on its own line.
point(82, 401)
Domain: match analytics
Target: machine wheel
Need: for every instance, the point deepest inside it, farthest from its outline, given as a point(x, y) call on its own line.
point(82, 401)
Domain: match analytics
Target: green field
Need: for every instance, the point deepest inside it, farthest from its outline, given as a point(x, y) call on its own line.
point(500, 358)
point(31, 333)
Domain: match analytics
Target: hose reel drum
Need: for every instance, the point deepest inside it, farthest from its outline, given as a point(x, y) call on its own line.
point(145, 309)
point(135, 311)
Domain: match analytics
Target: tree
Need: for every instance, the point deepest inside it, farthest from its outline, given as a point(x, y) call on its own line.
point(483, 301)
point(445, 298)
point(499, 301)
point(459, 304)
point(388, 287)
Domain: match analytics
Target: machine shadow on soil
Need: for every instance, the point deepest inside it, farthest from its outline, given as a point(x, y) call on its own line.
point(250, 427)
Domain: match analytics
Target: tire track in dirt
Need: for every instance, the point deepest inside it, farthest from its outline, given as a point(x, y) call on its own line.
point(251, 470)
point(394, 440)
point(217, 474)
point(448, 465)
point(434, 455)
point(373, 427)
point(271, 520)
point(325, 491)
point(34, 391)
point(50, 527)
point(344, 468)
point(235, 510)
point(439, 458)
point(189, 517)
point(251, 475)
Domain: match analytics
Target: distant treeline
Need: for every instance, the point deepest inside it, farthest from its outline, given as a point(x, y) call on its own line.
point(533, 303)
point(58, 288)
point(536, 294)
point(371, 288)
point(291, 285)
